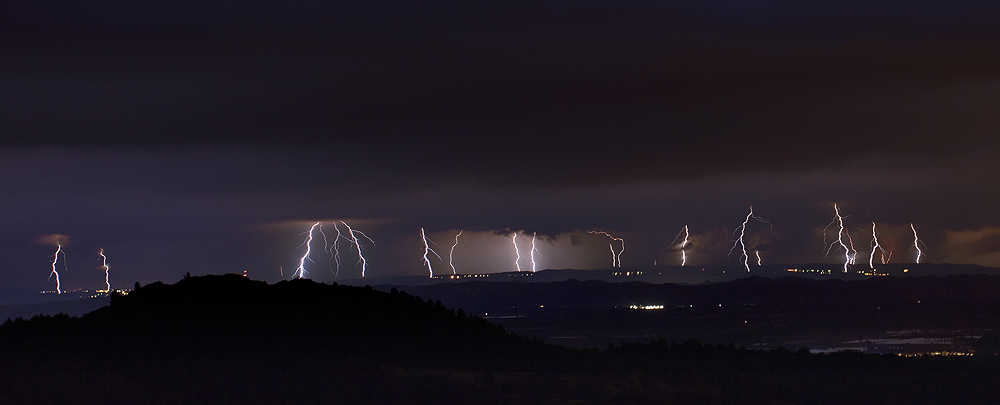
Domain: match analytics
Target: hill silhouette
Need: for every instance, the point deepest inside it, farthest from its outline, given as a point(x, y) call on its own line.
point(227, 339)
point(228, 316)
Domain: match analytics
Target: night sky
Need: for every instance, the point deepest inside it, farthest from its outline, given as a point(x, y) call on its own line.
point(207, 136)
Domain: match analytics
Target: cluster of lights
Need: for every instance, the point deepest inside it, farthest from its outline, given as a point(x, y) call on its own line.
point(459, 276)
point(646, 307)
point(816, 271)
point(944, 353)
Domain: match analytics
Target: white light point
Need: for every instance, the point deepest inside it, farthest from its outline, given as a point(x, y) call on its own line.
point(451, 253)
point(740, 240)
point(616, 257)
point(427, 249)
point(916, 243)
point(107, 275)
point(300, 271)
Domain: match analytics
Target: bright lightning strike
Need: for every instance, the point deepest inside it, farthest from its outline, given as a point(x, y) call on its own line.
point(427, 249)
point(55, 259)
point(300, 272)
point(876, 247)
point(849, 253)
point(916, 243)
point(334, 249)
point(517, 261)
point(741, 240)
point(533, 251)
point(616, 257)
point(757, 252)
point(107, 275)
point(683, 244)
point(451, 253)
point(354, 239)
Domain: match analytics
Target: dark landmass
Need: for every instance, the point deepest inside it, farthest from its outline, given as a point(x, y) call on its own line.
point(692, 274)
point(75, 307)
point(228, 339)
point(790, 311)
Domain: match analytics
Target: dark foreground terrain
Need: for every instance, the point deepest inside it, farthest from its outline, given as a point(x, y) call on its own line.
point(228, 339)
point(956, 313)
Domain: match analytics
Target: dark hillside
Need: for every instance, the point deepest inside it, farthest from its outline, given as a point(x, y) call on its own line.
point(229, 316)
point(231, 340)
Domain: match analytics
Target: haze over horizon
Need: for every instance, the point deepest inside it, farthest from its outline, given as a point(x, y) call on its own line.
point(207, 137)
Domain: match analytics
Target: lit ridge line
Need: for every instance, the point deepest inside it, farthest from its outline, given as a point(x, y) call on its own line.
point(517, 262)
point(451, 254)
point(916, 243)
point(427, 248)
point(354, 239)
point(300, 272)
point(107, 275)
point(741, 243)
point(55, 259)
point(616, 258)
point(683, 244)
point(533, 251)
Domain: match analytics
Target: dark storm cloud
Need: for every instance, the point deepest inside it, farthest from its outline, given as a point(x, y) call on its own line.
point(174, 134)
point(589, 92)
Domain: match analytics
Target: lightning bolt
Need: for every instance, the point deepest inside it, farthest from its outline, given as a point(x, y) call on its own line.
point(55, 259)
point(876, 247)
point(427, 249)
point(517, 262)
point(533, 251)
point(451, 253)
point(107, 275)
point(684, 243)
point(616, 257)
point(300, 272)
point(334, 249)
point(916, 243)
point(849, 253)
point(742, 243)
point(354, 239)
point(757, 253)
